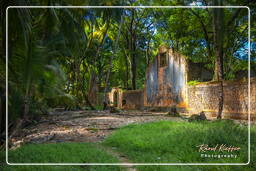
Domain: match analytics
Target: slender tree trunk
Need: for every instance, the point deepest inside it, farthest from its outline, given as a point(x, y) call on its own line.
point(93, 77)
point(218, 23)
point(26, 103)
point(73, 79)
point(88, 102)
point(111, 63)
point(77, 70)
point(127, 46)
point(133, 51)
point(28, 79)
point(127, 71)
point(134, 69)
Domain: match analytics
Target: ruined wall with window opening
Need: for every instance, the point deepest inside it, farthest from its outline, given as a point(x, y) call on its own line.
point(166, 86)
point(166, 80)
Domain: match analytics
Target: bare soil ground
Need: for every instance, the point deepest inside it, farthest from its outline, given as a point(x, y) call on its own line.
point(82, 126)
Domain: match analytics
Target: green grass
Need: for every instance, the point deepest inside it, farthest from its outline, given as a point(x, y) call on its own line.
point(59, 153)
point(175, 142)
point(156, 142)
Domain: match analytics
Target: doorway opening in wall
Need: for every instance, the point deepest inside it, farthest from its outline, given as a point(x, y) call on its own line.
point(115, 99)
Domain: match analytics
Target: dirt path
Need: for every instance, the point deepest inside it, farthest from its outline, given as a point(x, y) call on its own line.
point(122, 158)
point(85, 126)
point(82, 126)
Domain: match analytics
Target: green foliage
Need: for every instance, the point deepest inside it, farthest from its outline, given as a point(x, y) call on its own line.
point(175, 142)
point(99, 107)
point(61, 57)
point(66, 100)
point(193, 82)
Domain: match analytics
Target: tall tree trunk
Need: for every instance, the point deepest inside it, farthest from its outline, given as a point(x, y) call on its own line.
point(26, 101)
point(73, 75)
point(133, 51)
point(28, 79)
point(218, 23)
point(134, 69)
point(93, 76)
point(127, 71)
point(126, 68)
point(111, 63)
point(127, 64)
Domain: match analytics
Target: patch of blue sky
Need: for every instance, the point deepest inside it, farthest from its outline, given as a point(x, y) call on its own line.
point(196, 3)
point(242, 53)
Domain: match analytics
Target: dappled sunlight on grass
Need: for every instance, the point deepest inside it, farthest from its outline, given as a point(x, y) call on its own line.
point(176, 142)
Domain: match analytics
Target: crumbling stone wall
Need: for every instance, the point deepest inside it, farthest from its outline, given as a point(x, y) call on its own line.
point(204, 97)
point(132, 99)
point(126, 99)
point(166, 84)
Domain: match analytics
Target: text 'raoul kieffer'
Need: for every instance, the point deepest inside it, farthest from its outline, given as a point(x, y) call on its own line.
point(220, 148)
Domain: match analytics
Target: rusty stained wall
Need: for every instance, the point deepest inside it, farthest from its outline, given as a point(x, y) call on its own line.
point(132, 99)
point(126, 99)
point(166, 86)
point(204, 97)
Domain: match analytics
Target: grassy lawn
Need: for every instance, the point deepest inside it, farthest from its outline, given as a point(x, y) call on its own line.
point(156, 142)
point(59, 153)
point(175, 142)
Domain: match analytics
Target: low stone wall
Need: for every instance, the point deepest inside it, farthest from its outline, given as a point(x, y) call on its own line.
point(133, 99)
point(201, 97)
point(126, 99)
point(204, 97)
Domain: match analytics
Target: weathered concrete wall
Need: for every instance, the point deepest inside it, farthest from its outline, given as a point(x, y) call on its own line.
point(166, 85)
point(132, 99)
point(204, 97)
point(126, 99)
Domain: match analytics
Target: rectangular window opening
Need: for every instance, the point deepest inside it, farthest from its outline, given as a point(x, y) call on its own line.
point(163, 59)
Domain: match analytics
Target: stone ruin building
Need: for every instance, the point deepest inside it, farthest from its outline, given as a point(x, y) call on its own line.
point(166, 86)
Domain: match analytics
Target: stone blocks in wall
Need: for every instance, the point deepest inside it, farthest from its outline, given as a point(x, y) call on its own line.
point(132, 99)
point(204, 97)
point(126, 99)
